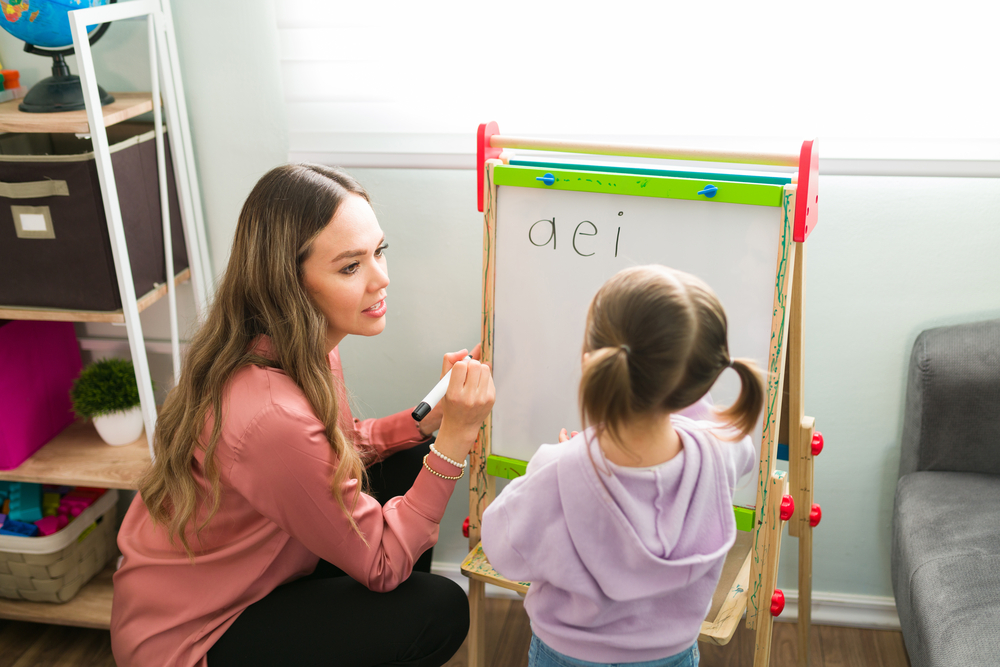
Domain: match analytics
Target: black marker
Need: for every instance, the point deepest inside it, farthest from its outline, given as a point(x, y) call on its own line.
point(434, 395)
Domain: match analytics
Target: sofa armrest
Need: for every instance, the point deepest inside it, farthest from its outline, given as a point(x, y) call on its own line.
point(952, 412)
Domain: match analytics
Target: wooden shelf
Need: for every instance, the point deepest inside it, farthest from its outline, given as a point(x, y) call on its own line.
point(125, 106)
point(63, 315)
point(78, 457)
point(90, 608)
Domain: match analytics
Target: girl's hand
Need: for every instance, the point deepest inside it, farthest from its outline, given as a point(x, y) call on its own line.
point(432, 421)
point(565, 438)
point(468, 401)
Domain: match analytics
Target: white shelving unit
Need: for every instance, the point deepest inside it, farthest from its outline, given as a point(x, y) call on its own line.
point(77, 456)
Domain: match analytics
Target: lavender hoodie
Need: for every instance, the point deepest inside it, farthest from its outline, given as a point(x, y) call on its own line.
point(623, 565)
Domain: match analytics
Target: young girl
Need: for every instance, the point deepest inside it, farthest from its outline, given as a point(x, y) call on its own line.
point(623, 530)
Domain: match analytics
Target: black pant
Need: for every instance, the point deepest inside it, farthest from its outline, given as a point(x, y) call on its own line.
point(327, 618)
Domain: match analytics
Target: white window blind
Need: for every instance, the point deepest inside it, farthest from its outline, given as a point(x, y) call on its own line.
point(393, 83)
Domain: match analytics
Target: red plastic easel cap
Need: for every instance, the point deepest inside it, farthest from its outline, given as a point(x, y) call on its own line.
point(777, 602)
point(484, 152)
point(816, 446)
point(815, 515)
point(787, 507)
point(807, 192)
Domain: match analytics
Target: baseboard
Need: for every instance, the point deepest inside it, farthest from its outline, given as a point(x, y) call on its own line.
point(855, 611)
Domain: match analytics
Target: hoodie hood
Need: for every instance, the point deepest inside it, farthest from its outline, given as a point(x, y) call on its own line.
point(660, 546)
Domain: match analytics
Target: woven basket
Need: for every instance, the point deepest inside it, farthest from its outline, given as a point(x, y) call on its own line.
point(54, 568)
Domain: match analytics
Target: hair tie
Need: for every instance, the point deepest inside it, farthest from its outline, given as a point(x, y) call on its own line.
point(627, 349)
point(731, 364)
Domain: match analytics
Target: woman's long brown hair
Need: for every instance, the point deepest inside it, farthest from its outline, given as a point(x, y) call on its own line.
point(261, 293)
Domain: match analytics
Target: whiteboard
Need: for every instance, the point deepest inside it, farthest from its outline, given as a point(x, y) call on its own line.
point(555, 248)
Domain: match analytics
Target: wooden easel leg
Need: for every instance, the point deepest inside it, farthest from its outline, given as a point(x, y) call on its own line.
point(762, 649)
point(773, 524)
point(477, 623)
point(805, 593)
point(805, 493)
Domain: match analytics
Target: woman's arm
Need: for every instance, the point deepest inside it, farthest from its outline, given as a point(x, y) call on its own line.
point(283, 469)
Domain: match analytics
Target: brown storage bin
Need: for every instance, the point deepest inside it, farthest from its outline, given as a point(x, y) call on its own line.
point(54, 245)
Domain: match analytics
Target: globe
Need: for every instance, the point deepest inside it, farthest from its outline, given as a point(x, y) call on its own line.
point(43, 23)
point(44, 27)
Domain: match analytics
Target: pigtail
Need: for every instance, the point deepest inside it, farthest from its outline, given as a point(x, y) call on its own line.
point(742, 415)
point(606, 389)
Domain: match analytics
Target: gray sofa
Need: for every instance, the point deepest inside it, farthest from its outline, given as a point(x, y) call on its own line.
point(946, 521)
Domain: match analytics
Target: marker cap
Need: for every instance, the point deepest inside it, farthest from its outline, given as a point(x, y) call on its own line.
point(421, 411)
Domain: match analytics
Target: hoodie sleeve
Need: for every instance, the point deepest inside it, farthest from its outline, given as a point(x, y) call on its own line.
point(500, 550)
point(515, 519)
point(741, 458)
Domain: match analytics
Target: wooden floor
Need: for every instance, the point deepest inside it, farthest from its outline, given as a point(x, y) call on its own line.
point(508, 636)
point(35, 645)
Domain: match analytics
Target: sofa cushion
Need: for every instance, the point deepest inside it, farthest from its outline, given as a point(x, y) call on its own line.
point(946, 567)
point(952, 418)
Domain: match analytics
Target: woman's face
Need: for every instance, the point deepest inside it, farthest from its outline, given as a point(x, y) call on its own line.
point(346, 273)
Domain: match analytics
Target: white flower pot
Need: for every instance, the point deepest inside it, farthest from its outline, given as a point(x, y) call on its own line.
point(120, 428)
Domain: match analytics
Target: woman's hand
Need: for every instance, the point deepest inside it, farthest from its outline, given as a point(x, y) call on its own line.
point(563, 437)
point(468, 401)
point(432, 421)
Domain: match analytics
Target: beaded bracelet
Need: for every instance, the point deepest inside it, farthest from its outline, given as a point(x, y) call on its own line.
point(445, 458)
point(435, 472)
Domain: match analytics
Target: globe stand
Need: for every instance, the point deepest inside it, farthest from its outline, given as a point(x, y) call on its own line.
point(60, 92)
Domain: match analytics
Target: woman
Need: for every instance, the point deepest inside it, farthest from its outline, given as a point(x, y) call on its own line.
point(252, 540)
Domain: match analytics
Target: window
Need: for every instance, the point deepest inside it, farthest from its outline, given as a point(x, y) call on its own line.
point(393, 83)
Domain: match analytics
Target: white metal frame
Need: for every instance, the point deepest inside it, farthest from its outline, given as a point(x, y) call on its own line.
point(165, 74)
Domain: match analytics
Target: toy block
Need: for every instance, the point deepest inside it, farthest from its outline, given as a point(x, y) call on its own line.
point(48, 525)
point(18, 528)
point(50, 504)
point(25, 501)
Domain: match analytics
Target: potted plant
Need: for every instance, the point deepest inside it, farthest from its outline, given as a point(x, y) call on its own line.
point(106, 392)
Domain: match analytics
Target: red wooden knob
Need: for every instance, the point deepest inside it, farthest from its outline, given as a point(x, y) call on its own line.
point(787, 508)
point(815, 515)
point(777, 602)
point(817, 443)
point(465, 525)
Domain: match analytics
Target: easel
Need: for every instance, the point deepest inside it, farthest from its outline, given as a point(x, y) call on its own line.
point(749, 577)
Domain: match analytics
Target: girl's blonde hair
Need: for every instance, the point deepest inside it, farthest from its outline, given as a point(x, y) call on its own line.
point(655, 342)
point(261, 293)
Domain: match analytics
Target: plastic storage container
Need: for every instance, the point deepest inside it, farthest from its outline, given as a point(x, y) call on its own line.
point(38, 363)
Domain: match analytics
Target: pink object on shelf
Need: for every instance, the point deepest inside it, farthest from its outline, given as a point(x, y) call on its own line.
point(48, 525)
point(39, 361)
